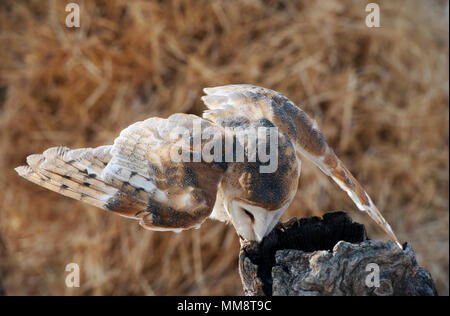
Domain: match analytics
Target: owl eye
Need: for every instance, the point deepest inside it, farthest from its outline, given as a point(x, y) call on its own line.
point(252, 218)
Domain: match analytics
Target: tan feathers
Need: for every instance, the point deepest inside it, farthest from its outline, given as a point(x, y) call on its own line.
point(135, 177)
point(138, 176)
point(56, 170)
point(255, 103)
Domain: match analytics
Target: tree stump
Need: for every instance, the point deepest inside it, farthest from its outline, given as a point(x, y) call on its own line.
point(329, 256)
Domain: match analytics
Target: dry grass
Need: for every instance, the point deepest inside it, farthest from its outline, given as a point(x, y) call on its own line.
point(380, 95)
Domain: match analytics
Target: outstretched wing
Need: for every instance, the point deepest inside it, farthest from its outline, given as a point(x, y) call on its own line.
point(150, 173)
point(255, 103)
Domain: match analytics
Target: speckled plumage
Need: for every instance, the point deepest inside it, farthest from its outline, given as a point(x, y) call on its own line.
point(136, 177)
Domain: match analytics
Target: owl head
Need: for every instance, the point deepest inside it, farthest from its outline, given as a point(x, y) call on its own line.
point(256, 200)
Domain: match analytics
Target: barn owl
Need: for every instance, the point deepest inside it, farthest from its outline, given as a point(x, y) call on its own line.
point(137, 176)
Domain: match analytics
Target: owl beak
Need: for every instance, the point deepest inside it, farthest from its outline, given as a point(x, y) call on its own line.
point(264, 227)
point(259, 234)
point(258, 224)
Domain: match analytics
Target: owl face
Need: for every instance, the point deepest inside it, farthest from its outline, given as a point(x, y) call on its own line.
point(253, 222)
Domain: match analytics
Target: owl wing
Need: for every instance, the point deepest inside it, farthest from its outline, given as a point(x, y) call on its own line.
point(153, 173)
point(256, 103)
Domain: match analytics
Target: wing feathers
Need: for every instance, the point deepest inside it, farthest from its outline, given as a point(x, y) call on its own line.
point(351, 186)
point(135, 177)
point(61, 185)
point(257, 103)
point(56, 170)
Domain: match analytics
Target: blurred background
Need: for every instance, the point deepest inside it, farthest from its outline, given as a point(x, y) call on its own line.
point(381, 96)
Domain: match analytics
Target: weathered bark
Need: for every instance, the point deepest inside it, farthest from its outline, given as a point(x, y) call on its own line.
point(329, 256)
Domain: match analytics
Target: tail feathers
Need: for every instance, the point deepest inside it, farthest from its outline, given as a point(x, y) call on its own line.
point(73, 173)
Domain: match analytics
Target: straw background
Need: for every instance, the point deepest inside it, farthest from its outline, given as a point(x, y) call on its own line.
point(381, 96)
